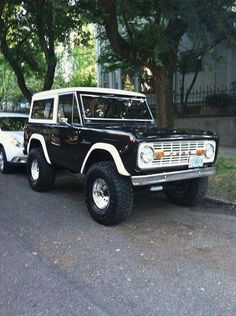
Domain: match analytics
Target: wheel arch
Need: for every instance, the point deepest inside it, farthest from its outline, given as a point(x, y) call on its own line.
point(100, 152)
point(37, 140)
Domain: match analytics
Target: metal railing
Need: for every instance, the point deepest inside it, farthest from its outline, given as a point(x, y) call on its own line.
point(216, 101)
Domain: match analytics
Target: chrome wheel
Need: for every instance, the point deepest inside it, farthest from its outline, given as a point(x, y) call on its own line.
point(1, 160)
point(101, 195)
point(35, 170)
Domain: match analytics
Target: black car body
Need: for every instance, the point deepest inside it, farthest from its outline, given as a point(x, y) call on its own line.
point(76, 128)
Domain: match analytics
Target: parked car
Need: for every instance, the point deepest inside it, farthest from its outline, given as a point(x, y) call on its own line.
point(12, 140)
point(111, 137)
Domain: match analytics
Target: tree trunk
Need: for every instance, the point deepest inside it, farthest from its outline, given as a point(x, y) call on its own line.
point(163, 85)
point(16, 68)
point(50, 74)
point(192, 84)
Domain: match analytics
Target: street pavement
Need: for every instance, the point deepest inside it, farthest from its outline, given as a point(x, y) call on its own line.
point(164, 260)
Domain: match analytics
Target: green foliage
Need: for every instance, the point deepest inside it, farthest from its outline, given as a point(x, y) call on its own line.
point(223, 185)
point(150, 31)
point(83, 59)
point(9, 90)
point(147, 34)
point(30, 31)
point(82, 63)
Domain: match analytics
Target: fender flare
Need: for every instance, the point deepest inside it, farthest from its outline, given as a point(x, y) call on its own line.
point(114, 153)
point(41, 139)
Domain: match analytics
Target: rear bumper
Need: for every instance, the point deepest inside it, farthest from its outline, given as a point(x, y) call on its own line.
point(172, 176)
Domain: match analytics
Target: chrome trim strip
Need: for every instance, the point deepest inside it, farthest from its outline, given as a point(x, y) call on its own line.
point(172, 176)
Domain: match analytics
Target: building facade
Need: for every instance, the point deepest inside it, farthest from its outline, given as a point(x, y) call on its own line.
point(218, 71)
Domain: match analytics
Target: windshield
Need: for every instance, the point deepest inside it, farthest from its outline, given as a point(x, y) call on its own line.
point(115, 108)
point(12, 123)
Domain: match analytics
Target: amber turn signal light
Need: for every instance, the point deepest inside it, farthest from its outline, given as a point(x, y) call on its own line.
point(200, 152)
point(159, 154)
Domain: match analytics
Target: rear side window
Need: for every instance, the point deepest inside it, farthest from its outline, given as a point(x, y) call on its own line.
point(42, 109)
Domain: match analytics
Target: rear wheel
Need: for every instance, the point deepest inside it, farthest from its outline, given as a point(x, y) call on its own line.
point(41, 175)
point(109, 196)
point(188, 192)
point(4, 165)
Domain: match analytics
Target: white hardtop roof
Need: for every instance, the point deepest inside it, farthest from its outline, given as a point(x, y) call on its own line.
point(13, 114)
point(88, 90)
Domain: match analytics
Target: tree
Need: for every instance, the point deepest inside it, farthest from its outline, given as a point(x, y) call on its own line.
point(194, 58)
point(10, 94)
point(83, 65)
point(147, 33)
point(30, 31)
point(83, 62)
point(77, 62)
point(8, 85)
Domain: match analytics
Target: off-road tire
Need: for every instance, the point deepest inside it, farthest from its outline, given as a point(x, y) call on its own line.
point(5, 167)
point(47, 173)
point(120, 191)
point(194, 192)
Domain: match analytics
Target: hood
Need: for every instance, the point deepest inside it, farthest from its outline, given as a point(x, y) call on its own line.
point(150, 132)
point(155, 133)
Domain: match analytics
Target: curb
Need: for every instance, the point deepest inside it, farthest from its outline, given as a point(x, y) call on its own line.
point(220, 201)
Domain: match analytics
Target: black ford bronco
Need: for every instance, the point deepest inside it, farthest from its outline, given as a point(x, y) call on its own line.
point(110, 136)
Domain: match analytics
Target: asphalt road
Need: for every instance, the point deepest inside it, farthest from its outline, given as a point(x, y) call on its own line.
point(164, 260)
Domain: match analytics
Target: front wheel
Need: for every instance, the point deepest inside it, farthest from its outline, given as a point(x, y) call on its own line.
point(41, 175)
point(4, 165)
point(188, 192)
point(109, 196)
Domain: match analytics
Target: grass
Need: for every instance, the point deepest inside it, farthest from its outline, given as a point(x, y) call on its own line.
point(223, 185)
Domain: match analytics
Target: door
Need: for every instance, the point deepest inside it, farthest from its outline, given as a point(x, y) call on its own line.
point(66, 135)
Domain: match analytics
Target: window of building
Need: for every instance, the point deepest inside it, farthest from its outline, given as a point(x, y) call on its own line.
point(105, 80)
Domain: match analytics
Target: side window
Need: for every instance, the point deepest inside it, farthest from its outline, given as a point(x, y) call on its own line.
point(43, 109)
point(67, 109)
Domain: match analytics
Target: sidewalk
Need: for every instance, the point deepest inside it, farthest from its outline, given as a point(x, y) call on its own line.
point(229, 152)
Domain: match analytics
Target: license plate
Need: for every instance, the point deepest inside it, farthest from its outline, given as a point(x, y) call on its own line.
point(195, 162)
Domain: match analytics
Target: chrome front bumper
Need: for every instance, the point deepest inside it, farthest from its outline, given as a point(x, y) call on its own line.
point(172, 176)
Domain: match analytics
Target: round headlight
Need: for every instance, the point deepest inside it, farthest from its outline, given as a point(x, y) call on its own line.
point(210, 151)
point(147, 154)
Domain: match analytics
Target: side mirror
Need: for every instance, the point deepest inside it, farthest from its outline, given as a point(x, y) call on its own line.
point(63, 120)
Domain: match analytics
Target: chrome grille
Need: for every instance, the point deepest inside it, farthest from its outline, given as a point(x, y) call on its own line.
point(177, 153)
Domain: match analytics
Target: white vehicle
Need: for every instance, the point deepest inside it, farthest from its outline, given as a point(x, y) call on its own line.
point(12, 140)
